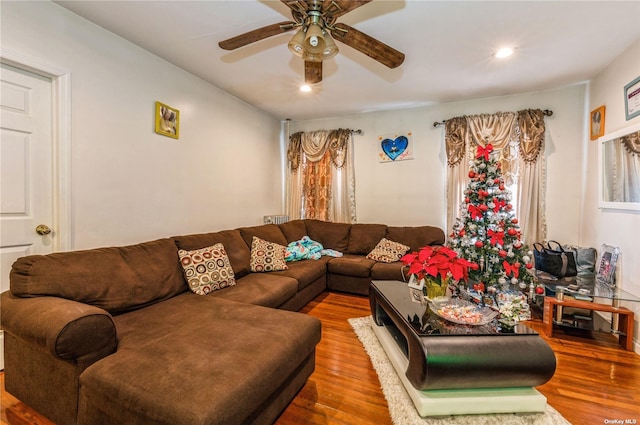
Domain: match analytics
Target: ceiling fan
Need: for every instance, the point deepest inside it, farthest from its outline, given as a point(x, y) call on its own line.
point(316, 24)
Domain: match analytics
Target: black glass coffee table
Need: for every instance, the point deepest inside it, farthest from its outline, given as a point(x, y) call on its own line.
point(459, 369)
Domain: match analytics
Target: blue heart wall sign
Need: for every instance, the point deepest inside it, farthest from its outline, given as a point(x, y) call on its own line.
point(395, 148)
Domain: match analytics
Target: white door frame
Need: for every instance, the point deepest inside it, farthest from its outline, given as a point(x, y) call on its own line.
point(61, 149)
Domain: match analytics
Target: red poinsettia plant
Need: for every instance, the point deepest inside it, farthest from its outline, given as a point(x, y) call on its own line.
point(440, 263)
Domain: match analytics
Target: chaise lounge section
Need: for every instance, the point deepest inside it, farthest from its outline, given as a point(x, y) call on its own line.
point(114, 335)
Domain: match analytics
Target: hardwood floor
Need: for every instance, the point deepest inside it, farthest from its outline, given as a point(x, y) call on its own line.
point(595, 380)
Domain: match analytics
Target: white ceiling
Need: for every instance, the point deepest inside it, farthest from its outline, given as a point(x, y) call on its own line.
point(448, 47)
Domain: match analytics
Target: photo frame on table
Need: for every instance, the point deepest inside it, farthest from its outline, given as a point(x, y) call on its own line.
point(607, 266)
point(596, 126)
point(414, 283)
point(632, 99)
point(167, 120)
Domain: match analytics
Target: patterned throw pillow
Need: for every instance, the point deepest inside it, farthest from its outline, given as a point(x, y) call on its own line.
point(388, 251)
point(267, 256)
point(207, 269)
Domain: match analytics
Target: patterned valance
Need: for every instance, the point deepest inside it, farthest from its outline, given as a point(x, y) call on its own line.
point(631, 142)
point(531, 126)
point(314, 145)
point(455, 136)
point(293, 151)
point(496, 129)
point(504, 130)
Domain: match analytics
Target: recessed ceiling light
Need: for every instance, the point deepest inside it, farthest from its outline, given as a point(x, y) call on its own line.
point(305, 88)
point(504, 52)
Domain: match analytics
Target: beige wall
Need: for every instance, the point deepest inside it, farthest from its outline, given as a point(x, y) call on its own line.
point(128, 183)
point(413, 192)
point(618, 228)
point(600, 226)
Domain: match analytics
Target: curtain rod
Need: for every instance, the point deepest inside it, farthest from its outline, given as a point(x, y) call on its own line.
point(546, 113)
point(358, 131)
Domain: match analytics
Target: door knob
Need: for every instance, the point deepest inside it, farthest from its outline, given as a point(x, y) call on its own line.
point(43, 229)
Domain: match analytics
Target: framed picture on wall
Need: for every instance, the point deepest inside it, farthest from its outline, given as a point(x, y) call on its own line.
point(396, 147)
point(632, 98)
point(597, 123)
point(167, 120)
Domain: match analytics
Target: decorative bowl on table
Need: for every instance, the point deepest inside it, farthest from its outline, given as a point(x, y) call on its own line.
point(462, 312)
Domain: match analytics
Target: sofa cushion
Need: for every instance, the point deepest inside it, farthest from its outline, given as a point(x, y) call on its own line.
point(330, 235)
point(387, 251)
point(115, 279)
point(293, 230)
point(306, 272)
point(265, 289)
point(267, 232)
point(237, 250)
point(267, 256)
point(214, 362)
point(416, 237)
point(207, 269)
point(390, 271)
point(364, 237)
point(351, 265)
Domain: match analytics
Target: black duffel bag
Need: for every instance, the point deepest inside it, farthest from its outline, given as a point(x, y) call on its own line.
point(555, 261)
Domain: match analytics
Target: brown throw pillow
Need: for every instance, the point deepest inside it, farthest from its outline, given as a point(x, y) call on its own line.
point(388, 251)
point(267, 256)
point(207, 269)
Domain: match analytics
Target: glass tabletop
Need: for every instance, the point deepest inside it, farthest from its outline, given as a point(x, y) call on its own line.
point(585, 287)
point(421, 317)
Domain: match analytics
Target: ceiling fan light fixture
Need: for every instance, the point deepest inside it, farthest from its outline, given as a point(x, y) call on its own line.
point(314, 41)
point(296, 45)
point(330, 48)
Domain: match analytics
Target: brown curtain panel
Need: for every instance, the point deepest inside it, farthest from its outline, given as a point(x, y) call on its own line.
point(317, 188)
point(321, 181)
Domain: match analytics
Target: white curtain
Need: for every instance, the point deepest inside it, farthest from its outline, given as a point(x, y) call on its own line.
point(626, 175)
point(321, 179)
point(518, 139)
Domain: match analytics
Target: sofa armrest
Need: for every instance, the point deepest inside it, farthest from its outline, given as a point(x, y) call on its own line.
point(66, 329)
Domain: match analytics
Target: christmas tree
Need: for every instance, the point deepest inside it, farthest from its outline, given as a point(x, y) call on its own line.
point(487, 232)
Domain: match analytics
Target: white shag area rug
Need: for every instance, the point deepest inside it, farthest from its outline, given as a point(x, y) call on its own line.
point(402, 409)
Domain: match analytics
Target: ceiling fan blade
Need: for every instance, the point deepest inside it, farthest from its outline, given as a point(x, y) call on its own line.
point(312, 72)
point(344, 6)
point(368, 45)
point(256, 35)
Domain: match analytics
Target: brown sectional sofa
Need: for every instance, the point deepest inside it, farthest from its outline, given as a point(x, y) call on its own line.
point(114, 336)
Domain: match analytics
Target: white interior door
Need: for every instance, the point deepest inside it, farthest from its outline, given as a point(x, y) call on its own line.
point(25, 169)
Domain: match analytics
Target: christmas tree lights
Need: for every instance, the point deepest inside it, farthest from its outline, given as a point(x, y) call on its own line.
point(487, 232)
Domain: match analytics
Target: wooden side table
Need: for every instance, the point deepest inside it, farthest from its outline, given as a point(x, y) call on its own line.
point(552, 304)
